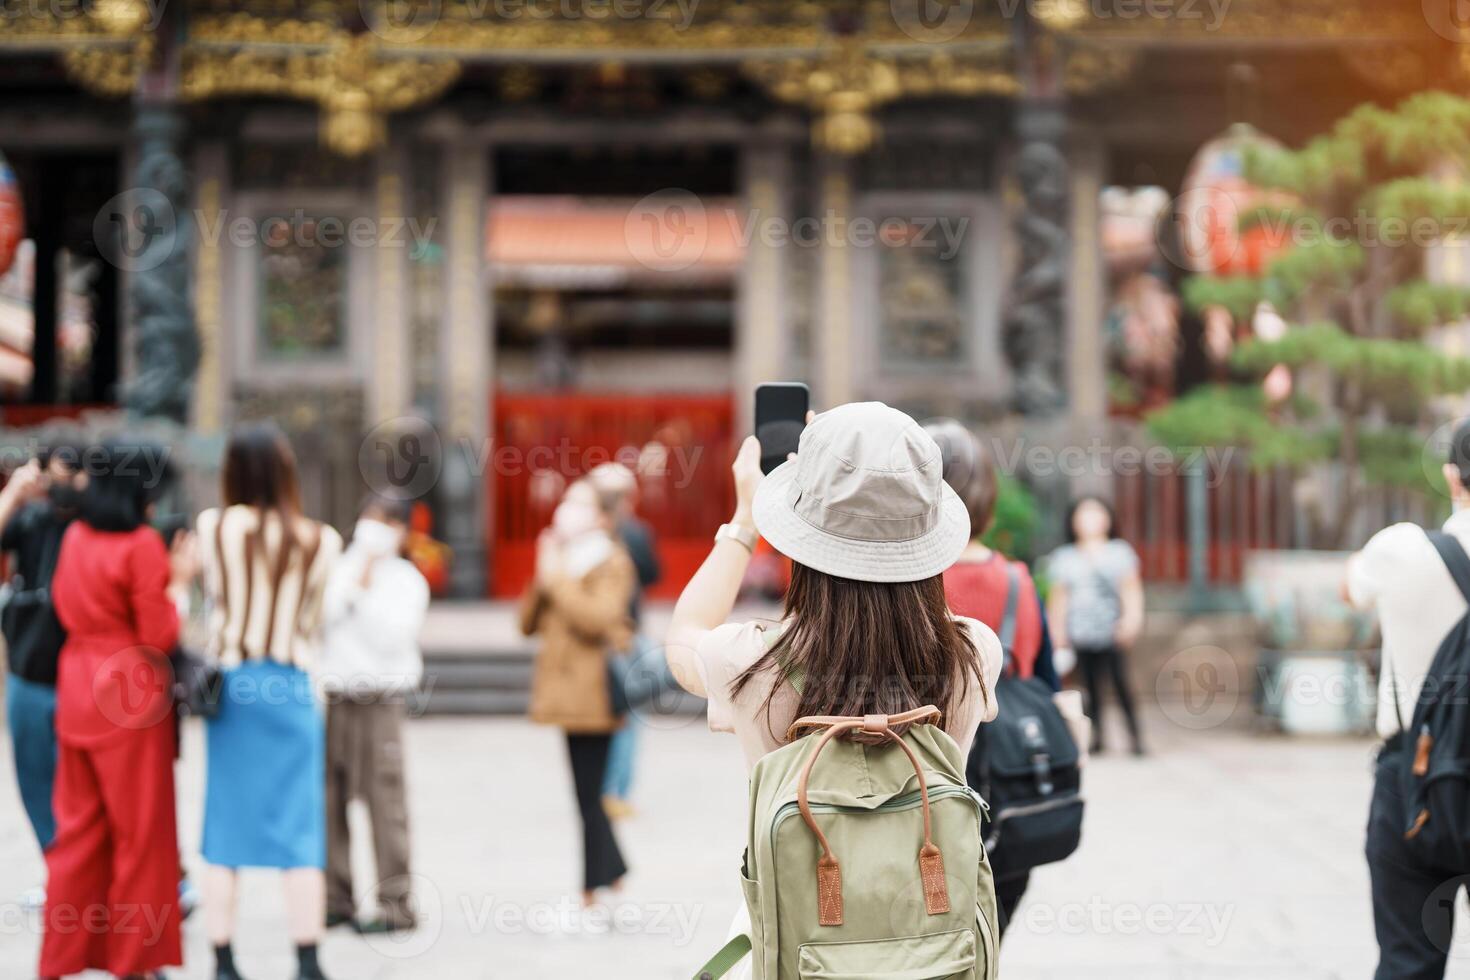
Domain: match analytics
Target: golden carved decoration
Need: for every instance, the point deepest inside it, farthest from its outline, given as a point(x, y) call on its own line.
point(105, 45)
point(1060, 15)
point(351, 80)
point(1295, 20)
point(111, 72)
point(733, 29)
point(121, 18)
point(1089, 69)
point(519, 83)
point(846, 85)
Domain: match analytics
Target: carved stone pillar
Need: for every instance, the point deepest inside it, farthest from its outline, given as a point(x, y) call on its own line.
point(1036, 314)
point(466, 365)
point(1087, 370)
point(157, 230)
point(391, 391)
point(763, 325)
point(834, 348)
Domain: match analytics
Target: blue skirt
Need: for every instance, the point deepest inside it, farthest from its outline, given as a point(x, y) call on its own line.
point(264, 803)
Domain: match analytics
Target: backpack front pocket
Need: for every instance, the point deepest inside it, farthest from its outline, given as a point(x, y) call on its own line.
point(937, 957)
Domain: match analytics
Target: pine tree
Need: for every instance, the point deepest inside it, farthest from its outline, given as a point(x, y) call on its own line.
point(1368, 201)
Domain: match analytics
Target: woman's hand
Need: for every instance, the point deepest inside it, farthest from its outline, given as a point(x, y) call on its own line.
point(748, 476)
point(548, 557)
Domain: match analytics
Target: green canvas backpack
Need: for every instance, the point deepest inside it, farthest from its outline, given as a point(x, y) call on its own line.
point(865, 861)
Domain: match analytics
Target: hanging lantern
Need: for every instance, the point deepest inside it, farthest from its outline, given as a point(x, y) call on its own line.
point(12, 216)
point(1214, 196)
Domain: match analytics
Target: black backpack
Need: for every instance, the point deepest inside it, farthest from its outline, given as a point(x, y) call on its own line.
point(33, 634)
point(1436, 770)
point(1024, 764)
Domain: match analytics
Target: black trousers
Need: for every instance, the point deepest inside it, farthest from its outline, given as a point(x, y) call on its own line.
point(602, 862)
point(1098, 663)
point(1413, 906)
point(1008, 894)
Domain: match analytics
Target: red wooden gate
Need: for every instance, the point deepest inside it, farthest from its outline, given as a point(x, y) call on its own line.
point(681, 446)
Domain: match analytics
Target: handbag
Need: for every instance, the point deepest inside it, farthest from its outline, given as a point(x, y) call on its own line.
point(636, 677)
point(33, 634)
point(198, 684)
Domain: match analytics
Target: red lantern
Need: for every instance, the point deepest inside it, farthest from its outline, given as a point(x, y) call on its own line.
point(12, 216)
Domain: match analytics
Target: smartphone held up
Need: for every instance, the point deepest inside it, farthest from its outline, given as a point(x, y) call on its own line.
point(780, 415)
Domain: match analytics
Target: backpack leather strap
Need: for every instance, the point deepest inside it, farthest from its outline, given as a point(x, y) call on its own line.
point(927, 715)
point(829, 870)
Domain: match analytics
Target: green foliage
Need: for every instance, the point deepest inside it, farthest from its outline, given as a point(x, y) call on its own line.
point(1416, 306)
point(1238, 294)
point(1013, 529)
point(1368, 147)
point(1384, 366)
point(1236, 415)
point(1438, 208)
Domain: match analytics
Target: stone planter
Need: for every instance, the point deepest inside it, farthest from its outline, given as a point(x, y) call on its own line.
point(1312, 674)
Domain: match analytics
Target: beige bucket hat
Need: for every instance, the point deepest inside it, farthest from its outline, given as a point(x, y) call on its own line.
point(864, 499)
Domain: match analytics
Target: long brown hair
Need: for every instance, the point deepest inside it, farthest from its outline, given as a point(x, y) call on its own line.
point(260, 472)
point(858, 648)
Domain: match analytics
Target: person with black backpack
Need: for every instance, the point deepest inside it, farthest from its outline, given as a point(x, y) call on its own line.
point(38, 503)
point(1026, 762)
point(1418, 837)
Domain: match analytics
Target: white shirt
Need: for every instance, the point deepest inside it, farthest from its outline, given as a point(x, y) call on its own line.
point(1400, 575)
point(371, 640)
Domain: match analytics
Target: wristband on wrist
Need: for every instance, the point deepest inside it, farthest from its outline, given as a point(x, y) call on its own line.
point(737, 533)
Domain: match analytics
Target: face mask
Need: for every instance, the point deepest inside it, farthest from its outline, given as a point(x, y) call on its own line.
point(377, 538)
point(571, 519)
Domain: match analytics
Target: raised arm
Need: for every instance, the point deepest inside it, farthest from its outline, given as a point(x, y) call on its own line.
point(24, 485)
point(709, 598)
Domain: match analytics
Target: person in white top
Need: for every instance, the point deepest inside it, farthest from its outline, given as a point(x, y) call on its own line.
point(373, 610)
point(1401, 576)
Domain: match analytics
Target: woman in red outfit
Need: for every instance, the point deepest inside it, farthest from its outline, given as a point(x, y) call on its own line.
point(112, 891)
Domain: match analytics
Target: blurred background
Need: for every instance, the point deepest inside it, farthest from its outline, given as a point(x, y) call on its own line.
point(467, 251)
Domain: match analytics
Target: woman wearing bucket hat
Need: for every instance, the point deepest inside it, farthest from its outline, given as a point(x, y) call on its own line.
point(864, 515)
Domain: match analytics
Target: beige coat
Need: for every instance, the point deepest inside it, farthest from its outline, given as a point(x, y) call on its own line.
point(580, 622)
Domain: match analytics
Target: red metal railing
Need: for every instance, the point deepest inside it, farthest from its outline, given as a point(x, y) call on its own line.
point(23, 416)
point(1245, 511)
point(680, 444)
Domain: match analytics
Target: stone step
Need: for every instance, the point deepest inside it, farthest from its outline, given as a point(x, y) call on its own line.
point(500, 684)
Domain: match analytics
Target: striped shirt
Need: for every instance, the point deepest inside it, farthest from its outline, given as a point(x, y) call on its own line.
point(264, 600)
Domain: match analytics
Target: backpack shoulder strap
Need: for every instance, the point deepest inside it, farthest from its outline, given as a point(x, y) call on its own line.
point(724, 961)
point(1452, 553)
point(1007, 631)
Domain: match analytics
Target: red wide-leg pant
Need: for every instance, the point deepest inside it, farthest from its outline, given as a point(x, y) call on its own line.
point(112, 889)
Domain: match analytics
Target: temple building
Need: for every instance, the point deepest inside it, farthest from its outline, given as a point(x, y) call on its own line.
point(509, 239)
